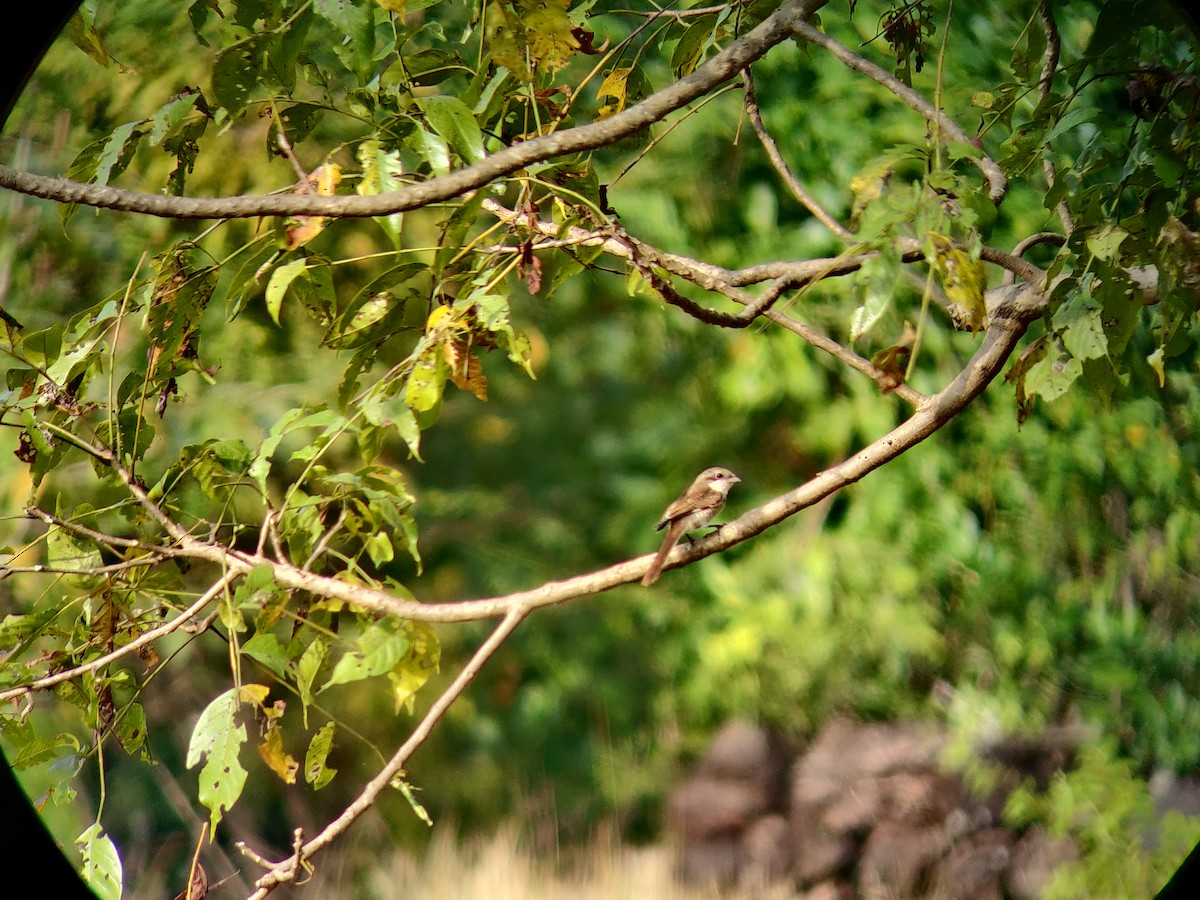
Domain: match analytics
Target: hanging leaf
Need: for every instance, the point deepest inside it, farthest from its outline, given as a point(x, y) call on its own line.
point(963, 280)
point(218, 738)
point(450, 118)
point(382, 173)
point(281, 278)
point(101, 863)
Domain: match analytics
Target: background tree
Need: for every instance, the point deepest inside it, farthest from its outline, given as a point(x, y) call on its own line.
point(738, 234)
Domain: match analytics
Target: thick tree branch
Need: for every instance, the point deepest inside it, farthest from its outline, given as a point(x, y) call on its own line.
point(777, 27)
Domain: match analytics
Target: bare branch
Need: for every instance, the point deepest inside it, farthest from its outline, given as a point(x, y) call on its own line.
point(777, 27)
point(286, 869)
point(781, 167)
point(997, 182)
point(1045, 83)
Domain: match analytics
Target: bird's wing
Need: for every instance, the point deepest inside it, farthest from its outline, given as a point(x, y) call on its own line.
point(686, 504)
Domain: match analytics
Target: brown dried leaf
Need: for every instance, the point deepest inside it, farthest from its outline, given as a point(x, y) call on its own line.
point(465, 370)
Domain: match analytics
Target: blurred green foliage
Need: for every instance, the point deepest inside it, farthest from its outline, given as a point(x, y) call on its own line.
point(1045, 571)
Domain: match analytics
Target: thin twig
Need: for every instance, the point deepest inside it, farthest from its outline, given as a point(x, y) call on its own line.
point(1045, 83)
point(780, 26)
point(781, 167)
point(137, 643)
point(949, 129)
point(285, 870)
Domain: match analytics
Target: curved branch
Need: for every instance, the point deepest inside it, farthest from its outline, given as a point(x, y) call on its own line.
point(997, 181)
point(803, 197)
point(1045, 83)
point(776, 28)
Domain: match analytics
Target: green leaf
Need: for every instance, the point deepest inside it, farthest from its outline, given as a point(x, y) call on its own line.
point(218, 737)
point(419, 664)
point(356, 21)
point(379, 548)
point(130, 730)
point(281, 279)
point(385, 410)
point(1051, 376)
point(378, 650)
point(450, 118)
point(267, 649)
point(423, 391)
point(71, 551)
point(117, 152)
point(307, 668)
point(1106, 242)
point(42, 348)
point(879, 276)
point(170, 115)
point(316, 769)
point(691, 45)
point(235, 75)
point(432, 148)
point(1080, 322)
point(382, 172)
point(101, 863)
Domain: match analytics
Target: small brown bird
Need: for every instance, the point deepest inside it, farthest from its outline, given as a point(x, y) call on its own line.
point(694, 509)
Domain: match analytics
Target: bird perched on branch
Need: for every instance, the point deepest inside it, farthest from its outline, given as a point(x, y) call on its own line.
point(694, 509)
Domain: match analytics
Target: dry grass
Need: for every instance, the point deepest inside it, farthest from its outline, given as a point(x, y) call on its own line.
point(501, 867)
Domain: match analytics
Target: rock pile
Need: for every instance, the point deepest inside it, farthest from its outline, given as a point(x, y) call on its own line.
point(866, 811)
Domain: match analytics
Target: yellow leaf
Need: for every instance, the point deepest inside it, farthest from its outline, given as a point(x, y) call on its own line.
point(302, 229)
point(326, 178)
point(536, 31)
point(963, 280)
point(615, 85)
point(277, 759)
